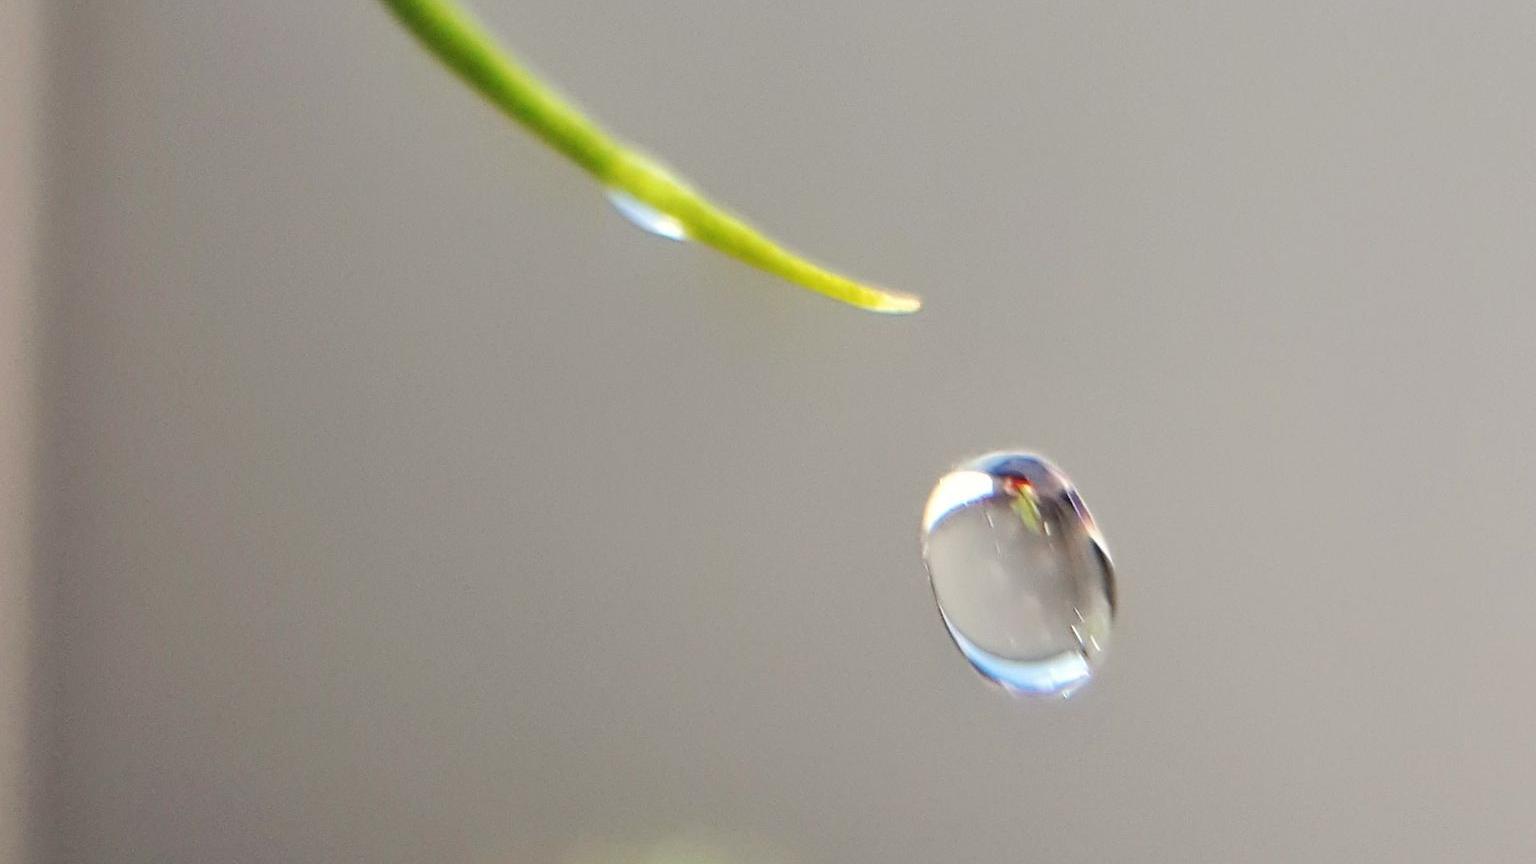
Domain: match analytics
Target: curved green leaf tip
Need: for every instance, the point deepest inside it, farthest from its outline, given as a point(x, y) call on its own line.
point(451, 33)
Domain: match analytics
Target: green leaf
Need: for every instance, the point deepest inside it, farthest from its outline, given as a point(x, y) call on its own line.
point(451, 33)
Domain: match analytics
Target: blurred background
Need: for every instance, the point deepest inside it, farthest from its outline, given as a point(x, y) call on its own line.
point(373, 492)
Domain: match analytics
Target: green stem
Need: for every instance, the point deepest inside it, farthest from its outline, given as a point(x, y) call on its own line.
point(450, 32)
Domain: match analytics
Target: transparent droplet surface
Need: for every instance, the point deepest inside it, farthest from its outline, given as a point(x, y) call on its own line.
point(1020, 573)
point(646, 216)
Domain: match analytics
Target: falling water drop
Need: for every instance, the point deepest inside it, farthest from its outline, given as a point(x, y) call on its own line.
point(1022, 579)
point(646, 216)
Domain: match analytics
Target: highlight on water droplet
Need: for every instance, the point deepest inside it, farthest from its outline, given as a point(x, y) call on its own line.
point(647, 217)
point(1021, 576)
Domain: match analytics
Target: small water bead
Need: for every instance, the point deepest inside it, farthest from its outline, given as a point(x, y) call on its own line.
point(1021, 576)
point(646, 216)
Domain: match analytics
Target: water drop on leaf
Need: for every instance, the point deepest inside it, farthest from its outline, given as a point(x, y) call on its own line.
point(646, 216)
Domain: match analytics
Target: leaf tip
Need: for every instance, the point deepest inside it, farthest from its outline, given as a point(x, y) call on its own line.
point(896, 303)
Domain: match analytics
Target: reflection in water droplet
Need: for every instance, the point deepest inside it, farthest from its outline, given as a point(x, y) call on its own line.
point(646, 216)
point(1022, 578)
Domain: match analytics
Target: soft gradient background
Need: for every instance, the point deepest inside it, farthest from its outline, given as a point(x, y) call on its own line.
point(399, 502)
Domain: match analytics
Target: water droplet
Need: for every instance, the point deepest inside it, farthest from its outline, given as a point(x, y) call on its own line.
point(646, 216)
point(1022, 579)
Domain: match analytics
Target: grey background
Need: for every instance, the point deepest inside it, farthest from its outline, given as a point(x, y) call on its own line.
point(400, 502)
point(21, 76)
